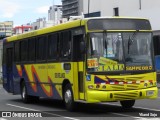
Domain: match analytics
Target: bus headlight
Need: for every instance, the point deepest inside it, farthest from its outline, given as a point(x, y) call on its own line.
point(104, 86)
point(145, 84)
point(151, 83)
point(90, 86)
point(97, 86)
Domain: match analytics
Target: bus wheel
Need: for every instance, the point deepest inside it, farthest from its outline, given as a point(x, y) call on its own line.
point(127, 103)
point(24, 95)
point(68, 98)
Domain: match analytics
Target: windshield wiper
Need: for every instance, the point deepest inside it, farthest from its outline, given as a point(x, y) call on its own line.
point(105, 41)
point(131, 40)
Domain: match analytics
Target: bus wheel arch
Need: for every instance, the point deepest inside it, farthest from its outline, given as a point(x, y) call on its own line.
point(68, 96)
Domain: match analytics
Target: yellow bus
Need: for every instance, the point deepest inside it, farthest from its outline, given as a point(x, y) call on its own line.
point(89, 60)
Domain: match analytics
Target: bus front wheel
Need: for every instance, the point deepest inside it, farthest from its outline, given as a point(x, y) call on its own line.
point(127, 103)
point(68, 98)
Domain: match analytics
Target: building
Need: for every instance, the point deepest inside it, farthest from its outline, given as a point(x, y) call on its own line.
point(22, 29)
point(55, 14)
point(6, 29)
point(134, 8)
point(40, 23)
point(72, 8)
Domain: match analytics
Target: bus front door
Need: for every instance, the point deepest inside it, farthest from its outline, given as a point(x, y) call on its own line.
point(9, 60)
point(79, 58)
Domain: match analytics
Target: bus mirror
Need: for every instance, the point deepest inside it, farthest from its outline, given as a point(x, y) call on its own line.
point(82, 47)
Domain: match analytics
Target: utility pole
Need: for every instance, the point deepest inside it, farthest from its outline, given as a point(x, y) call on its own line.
point(140, 4)
point(88, 7)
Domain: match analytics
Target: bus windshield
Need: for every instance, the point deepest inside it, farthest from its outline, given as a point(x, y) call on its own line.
point(119, 51)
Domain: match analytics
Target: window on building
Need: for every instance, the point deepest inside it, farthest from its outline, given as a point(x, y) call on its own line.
point(116, 11)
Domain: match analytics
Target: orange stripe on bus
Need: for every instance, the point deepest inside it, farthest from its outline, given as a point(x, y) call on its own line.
point(49, 94)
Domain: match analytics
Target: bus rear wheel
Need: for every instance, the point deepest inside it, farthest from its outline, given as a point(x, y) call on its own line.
point(24, 95)
point(68, 98)
point(127, 103)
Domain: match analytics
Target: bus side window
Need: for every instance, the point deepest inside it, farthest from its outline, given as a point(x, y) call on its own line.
point(52, 46)
point(32, 49)
point(41, 48)
point(65, 45)
point(16, 52)
point(77, 55)
point(24, 50)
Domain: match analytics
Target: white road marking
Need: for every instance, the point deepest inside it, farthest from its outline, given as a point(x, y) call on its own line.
point(126, 115)
point(2, 119)
point(149, 119)
point(133, 107)
point(147, 108)
point(42, 112)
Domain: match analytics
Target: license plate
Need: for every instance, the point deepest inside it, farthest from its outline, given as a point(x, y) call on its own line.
point(150, 93)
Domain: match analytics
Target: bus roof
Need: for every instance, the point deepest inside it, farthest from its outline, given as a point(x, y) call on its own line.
point(63, 26)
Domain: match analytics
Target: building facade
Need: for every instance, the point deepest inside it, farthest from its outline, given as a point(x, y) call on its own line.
point(22, 29)
point(40, 23)
point(134, 8)
point(55, 14)
point(6, 29)
point(72, 8)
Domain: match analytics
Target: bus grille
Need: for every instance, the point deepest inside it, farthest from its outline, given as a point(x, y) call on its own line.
point(125, 95)
point(132, 87)
point(118, 87)
point(122, 87)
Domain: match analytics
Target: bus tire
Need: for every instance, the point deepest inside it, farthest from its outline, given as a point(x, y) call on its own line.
point(24, 95)
point(127, 103)
point(68, 98)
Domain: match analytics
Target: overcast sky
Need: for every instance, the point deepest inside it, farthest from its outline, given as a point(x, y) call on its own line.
point(24, 11)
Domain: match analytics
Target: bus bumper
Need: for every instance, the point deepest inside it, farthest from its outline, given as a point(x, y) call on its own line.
point(94, 96)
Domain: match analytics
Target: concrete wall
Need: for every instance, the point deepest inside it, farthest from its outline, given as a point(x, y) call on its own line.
point(147, 9)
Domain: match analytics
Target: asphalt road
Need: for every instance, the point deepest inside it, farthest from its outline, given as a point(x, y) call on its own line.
point(47, 109)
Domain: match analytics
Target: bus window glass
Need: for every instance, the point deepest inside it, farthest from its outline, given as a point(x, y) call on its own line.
point(52, 46)
point(41, 48)
point(119, 51)
point(105, 52)
point(31, 49)
point(16, 49)
point(66, 45)
point(24, 50)
point(137, 49)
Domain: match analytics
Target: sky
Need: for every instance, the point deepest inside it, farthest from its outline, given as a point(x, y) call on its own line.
point(22, 12)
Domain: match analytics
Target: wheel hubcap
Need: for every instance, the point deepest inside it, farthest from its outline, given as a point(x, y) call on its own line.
point(68, 96)
point(23, 93)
